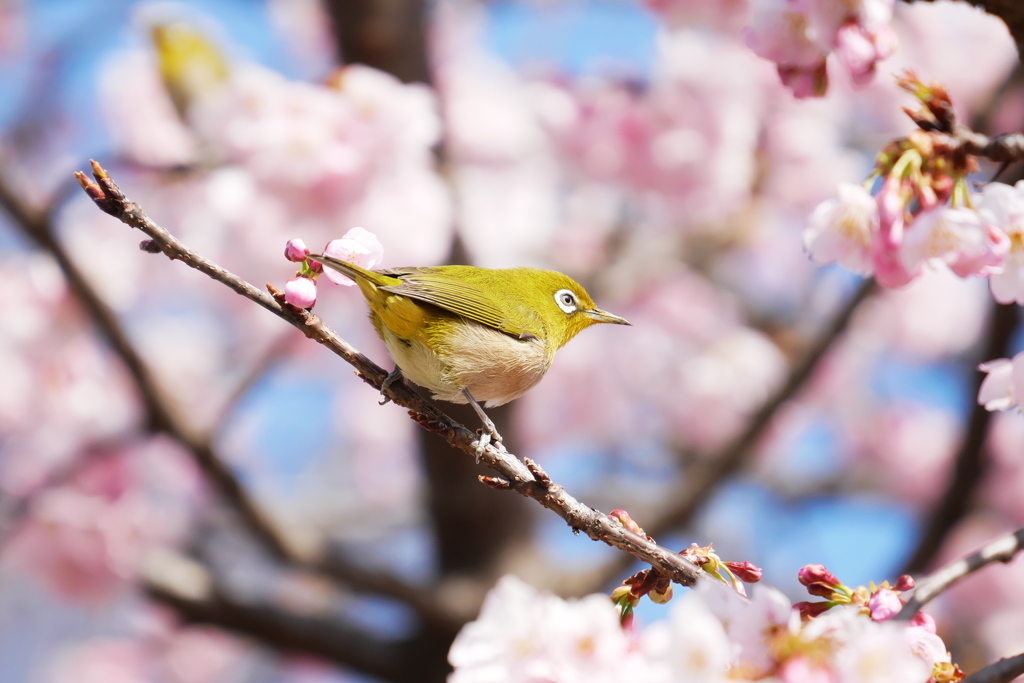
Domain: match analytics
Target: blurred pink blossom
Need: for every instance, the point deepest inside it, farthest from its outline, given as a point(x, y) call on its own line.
point(523, 635)
point(957, 237)
point(103, 660)
point(799, 35)
point(779, 31)
point(144, 127)
point(1003, 388)
point(1003, 207)
point(85, 546)
point(843, 230)
point(884, 604)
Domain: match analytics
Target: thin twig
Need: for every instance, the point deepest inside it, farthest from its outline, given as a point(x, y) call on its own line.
point(195, 595)
point(1003, 549)
point(595, 524)
point(39, 226)
point(702, 482)
point(1003, 671)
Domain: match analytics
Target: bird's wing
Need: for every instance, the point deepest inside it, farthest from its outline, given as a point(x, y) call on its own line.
point(455, 295)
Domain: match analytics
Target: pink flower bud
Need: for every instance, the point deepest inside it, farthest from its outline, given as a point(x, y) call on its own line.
point(745, 571)
point(295, 250)
point(904, 583)
point(816, 573)
point(300, 292)
point(623, 517)
point(925, 621)
point(884, 604)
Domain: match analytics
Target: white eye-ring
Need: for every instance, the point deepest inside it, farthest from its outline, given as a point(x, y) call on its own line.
point(566, 300)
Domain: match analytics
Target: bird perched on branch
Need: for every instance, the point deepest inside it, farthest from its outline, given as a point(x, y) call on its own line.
point(473, 335)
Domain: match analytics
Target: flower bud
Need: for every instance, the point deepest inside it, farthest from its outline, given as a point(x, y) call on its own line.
point(745, 571)
point(816, 573)
point(925, 621)
point(295, 250)
point(884, 604)
point(904, 583)
point(300, 292)
point(623, 517)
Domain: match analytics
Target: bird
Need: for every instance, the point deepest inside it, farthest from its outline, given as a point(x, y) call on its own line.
point(469, 334)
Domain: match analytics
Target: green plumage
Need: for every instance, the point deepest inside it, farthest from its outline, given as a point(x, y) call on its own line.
point(491, 332)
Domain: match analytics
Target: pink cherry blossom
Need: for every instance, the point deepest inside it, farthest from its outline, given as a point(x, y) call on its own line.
point(884, 604)
point(957, 237)
point(691, 645)
point(799, 34)
point(1003, 388)
point(925, 621)
point(1003, 206)
point(359, 247)
point(843, 230)
point(889, 267)
point(803, 670)
point(147, 129)
point(523, 635)
point(300, 292)
point(780, 32)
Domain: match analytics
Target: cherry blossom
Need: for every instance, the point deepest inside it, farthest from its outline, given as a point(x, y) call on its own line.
point(1003, 207)
point(1003, 388)
point(957, 237)
point(843, 230)
point(358, 246)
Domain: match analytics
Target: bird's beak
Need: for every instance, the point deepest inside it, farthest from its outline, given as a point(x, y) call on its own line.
point(600, 316)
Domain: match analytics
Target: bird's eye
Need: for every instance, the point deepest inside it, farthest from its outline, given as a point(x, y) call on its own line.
point(566, 300)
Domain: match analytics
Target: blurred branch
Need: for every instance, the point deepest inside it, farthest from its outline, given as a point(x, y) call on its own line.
point(1003, 549)
point(190, 590)
point(702, 482)
point(270, 355)
point(389, 35)
point(971, 460)
point(39, 226)
point(514, 474)
point(1003, 671)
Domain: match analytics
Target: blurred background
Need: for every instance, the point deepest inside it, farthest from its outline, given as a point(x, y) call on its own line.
point(192, 492)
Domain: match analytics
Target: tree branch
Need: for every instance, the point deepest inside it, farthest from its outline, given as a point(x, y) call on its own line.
point(971, 460)
point(1003, 671)
point(1003, 549)
point(39, 227)
point(701, 484)
point(190, 590)
point(514, 473)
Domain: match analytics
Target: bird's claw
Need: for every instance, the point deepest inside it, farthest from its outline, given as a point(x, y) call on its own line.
point(392, 377)
point(489, 436)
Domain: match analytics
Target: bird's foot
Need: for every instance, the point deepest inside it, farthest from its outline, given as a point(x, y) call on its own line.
point(394, 376)
point(489, 434)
